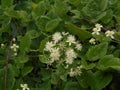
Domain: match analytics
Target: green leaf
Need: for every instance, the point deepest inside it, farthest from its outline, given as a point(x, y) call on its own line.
point(21, 59)
point(94, 11)
point(44, 86)
point(70, 85)
point(74, 2)
point(54, 78)
point(25, 43)
point(7, 3)
point(82, 34)
point(26, 70)
point(101, 80)
point(108, 62)
point(46, 74)
point(38, 10)
point(43, 58)
point(51, 25)
point(32, 34)
point(96, 52)
point(97, 80)
point(61, 11)
point(42, 44)
point(108, 17)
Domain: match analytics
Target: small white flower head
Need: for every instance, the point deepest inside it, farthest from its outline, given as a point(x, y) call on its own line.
point(14, 39)
point(49, 46)
point(92, 41)
point(55, 54)
point(24, 87)
point(15, 54)
point(78, 46)
point(71, 39)
point(110, 34)
point(69, 60)
point(71, 73)
point(57, 37)
point(96, 31)
point(2, 45)
point(14, 47)
point(71, 53)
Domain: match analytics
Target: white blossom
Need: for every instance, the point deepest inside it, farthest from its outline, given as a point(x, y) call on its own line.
point(70, 39)
point(96, 31)
point(2, 45)
point(24, 87)
point(14, 47)
point(78, 46)
point(76, 71)
point(57, 37)
point(69, 60)
point(14, 39)
point(15, 54)
point(49, 46)
point(92, 41)
point(71, 73)
point(110, 34)
point(55, 54)
point(71, 53)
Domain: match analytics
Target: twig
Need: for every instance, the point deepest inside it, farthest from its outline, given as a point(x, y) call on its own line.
point(6, 67)
point(8, 56)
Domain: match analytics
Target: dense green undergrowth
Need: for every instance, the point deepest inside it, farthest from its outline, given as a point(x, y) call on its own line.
point(59, 44)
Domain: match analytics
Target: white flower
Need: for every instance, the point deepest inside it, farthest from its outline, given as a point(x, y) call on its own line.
point(98, 26)
point(2, 45)
point(110, 34)
point(71, 73)
point(78, 46)
point(57, 37)
point(49, 46)
point(96, 31)
point(55, 54)
point(70, 56)
point(71, 53)
point(14, 47)
point(92, 41)
point(24, 87)
point(15, 54)
point(71, 39)
point(69, 60)
point(14, 39)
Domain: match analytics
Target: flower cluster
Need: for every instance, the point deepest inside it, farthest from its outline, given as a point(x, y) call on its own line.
point(97, 30)
point(63, 48)
point(76, 71)
point(14, 47)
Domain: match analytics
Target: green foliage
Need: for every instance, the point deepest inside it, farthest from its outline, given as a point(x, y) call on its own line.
point(96, 52)
point(30, 24)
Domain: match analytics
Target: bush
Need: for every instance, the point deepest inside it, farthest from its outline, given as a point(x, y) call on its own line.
point(59, 44)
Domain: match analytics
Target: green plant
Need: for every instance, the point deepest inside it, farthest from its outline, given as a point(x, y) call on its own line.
point(59, 44)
